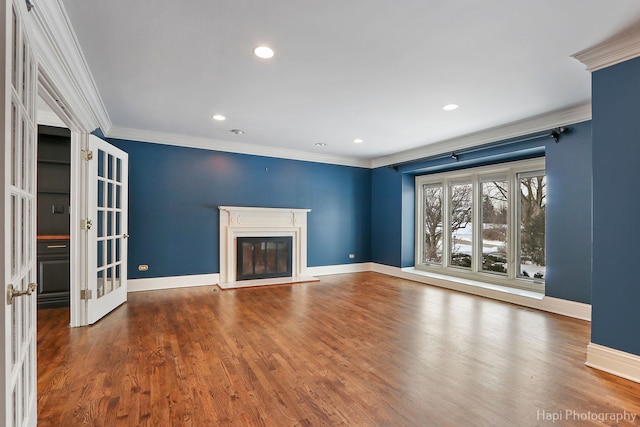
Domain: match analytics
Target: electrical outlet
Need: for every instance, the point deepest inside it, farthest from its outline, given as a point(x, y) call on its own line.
point(352, 256)
point(143, 267)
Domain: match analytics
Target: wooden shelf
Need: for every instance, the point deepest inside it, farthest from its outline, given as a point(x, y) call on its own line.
point(55, 162)
point(53, 237)
point(54, 191)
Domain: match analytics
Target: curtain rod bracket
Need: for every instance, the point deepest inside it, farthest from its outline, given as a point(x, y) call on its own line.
point(555, 133)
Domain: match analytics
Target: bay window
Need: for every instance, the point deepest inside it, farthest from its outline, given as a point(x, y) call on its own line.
point(485, 223)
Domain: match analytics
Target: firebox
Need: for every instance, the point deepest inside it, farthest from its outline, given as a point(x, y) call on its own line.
point(263, 257)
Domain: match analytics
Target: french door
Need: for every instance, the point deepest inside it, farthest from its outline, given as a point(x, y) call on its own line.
point(106, 227)
point(18, 234)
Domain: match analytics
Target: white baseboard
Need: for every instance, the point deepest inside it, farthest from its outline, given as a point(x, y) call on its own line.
point(514, 296)
point(170, 282)
point(339, 269)
point(577, 310)
point(616, 362)
point(520, 297)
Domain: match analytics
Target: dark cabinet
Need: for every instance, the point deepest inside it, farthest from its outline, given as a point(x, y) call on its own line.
point(54, 183)
point(53, 271)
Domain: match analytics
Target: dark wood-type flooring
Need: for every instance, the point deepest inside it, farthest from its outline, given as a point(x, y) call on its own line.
point(358, 349)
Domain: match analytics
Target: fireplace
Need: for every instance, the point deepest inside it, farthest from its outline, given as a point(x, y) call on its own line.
point(263, 257)
point(240, 222)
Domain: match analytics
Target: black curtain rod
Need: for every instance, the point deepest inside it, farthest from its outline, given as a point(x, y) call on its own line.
point(553, 133)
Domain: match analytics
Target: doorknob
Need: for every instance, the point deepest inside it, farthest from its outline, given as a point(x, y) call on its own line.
point(125, 236)
point(12, 293)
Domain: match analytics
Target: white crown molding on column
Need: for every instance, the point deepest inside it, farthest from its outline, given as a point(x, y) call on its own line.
point(619, 48)
point(62, 65)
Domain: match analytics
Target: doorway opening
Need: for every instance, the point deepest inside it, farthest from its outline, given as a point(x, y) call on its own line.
point(52, 216)
point(56, 250)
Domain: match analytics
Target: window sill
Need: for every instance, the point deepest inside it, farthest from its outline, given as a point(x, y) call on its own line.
point(488, 287)
point(525, 298)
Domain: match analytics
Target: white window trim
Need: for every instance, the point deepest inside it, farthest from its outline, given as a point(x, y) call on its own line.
point(476, 176)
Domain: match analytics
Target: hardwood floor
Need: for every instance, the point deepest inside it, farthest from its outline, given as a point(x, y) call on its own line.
point(358, 349)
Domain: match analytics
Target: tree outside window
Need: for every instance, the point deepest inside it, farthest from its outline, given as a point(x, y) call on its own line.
point(533, 196)
point(433, 223)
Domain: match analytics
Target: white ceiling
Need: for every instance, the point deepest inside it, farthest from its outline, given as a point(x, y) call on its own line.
point(343, 69)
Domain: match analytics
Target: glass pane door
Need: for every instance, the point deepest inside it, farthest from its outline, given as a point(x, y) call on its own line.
point(107, 240)
point(18, 234)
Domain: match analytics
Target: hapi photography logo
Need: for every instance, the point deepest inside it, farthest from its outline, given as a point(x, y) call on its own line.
point(573, 415)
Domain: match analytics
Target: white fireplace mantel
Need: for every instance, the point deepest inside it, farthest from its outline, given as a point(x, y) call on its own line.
point(241, 221)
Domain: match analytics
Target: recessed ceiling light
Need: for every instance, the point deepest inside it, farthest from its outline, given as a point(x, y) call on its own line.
point(358, 141)
point(450, 107)
point(219, 117)
point(320, 144)
point(263, 52)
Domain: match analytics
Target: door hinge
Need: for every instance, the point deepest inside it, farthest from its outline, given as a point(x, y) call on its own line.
point(85, 294)
point(85, 224)
point(86, 154)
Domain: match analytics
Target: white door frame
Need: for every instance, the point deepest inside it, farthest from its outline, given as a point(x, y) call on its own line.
point(79, 139)
point(79, 240)
point(67, 87)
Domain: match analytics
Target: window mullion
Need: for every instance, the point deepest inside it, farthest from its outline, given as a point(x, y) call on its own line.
point(512, 235)
point(419, 224)
point(476, 242)
point(446, 223)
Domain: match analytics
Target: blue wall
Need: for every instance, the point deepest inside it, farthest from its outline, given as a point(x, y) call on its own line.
point(387, 202)
point(568, 206)
point(568, 166)
point(174, 194)
point(616, 206)
point(408, 220)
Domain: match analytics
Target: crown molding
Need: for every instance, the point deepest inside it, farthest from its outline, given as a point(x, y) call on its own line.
point(576, 114)
point(619, 48)
point(63, 67)
point(231, 147)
